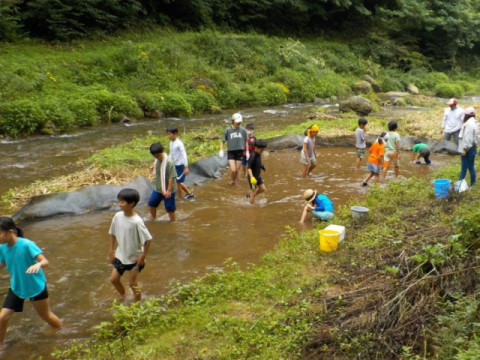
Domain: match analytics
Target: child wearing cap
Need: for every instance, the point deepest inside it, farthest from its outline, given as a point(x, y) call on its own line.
point(452, 121)
point(254, 166)
point(250, 146)
point(236, 137)
point(309, 154)
point(319, 204)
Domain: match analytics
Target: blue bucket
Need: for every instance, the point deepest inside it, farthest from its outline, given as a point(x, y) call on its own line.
point(441, 187)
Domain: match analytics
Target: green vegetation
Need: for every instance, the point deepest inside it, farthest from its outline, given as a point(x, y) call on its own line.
point(402, 285)
point(50, 88)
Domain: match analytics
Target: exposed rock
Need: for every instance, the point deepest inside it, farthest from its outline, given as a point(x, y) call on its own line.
point(290, 141)
point(48, 128)
point(156, 114)
point(358, 104)
point(412, 89)
point(362, 87)
point(123, 119)
point(375, 86)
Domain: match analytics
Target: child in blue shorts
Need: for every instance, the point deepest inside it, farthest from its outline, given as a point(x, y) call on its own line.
point(180, 160)
point(165, 183)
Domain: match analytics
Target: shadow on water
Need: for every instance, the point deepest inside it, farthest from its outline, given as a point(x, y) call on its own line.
point(215, 225)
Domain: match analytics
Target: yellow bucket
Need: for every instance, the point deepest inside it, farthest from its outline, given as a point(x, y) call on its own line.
point(329, 240)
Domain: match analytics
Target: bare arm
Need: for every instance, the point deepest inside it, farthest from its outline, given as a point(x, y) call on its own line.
point(306, 209)
point(111, 246)
point(42, 262)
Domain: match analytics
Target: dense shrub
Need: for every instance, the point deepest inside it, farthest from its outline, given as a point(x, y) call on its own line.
point(148, 101)
point(84, 110)
point(448, 90)
point(175, 104)
point(302, 86)
point(273, 94)
point(58, 113)
point(200, 101)
point(21, 117)
point(110, 105)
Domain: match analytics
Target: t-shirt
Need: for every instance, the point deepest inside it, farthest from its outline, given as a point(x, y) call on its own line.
point(255, 163)
point(323, 203)
point(310, 145)
point(251, 143)
point(170, 173)
point(417, 147)
point(131, 234)
point(178, 153)
point(236, 138)
point(18, 258)
point(390, 145)
point(376, 151)
point(360, 139)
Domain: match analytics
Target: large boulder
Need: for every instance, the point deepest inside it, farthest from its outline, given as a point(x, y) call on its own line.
point(362, 86)
point(290, 141)
point(412, 89)
point(358, 104)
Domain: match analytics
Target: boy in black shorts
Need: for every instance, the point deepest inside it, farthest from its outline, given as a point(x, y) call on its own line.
point(253, 167)
point(133, 241)
point(236, 136)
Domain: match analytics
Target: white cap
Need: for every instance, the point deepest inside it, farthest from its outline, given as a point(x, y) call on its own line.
point(237, 117)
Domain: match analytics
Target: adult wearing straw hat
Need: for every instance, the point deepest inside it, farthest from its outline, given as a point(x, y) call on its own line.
point(468, 145)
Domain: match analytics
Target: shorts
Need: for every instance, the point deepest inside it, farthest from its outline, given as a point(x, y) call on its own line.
point(391, 156)
point(259, 182)
point(244, 160)
point(156, 198)
point(312, 159)
point(15, 303)
point(323, 215)
point(121, 268)
point(180, 173)
point(361, 153)
point(425, 153)
point(373, 168)
point(236, 155)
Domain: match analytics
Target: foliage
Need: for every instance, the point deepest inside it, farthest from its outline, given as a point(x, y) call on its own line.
point(447, 90)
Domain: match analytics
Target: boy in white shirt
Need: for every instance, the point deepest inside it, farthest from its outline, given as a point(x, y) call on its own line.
point(133, 241)
point(179, 156)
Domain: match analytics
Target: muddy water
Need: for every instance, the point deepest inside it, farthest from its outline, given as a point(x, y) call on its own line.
point(217, 224)
point(27, 160)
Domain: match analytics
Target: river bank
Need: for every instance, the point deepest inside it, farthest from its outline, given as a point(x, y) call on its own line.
point(386, 293)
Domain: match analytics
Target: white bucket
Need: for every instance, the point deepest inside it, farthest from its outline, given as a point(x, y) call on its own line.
point(339, 228)
point(359, 213)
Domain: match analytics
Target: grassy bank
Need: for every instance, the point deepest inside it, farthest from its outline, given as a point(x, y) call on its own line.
point(402, 285)
point(50, 88)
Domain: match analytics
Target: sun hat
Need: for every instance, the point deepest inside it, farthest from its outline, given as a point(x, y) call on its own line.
point(309, 195)
point(470, 111)
point(237, 117)
point(452, 101)
point(260, 143)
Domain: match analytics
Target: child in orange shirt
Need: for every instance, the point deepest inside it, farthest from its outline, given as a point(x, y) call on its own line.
point(375, 159)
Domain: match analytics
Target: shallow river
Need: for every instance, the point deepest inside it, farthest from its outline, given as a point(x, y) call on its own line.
point(217, 224)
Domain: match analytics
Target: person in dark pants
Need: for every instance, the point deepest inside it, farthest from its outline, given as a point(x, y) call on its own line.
point(254, 166)
point(468, 137)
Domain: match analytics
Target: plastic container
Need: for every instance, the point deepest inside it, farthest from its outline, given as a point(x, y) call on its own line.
point(359, 213)
point(441, 187)
point(339, 228)
point(328, 240)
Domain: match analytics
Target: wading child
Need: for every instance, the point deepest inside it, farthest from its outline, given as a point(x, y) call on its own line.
point(133, 241)
point(319, 205)
point(308, 156)
point(250, 146)
point(392, 150)
point(255, 181)
point(236, 137)
point(180, 160)
point(24, 261)
point(165, 183)
point(361, 144)
point(421, 150)
point(375, 159)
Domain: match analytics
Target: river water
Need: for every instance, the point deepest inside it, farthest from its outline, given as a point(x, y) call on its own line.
point(215, 225)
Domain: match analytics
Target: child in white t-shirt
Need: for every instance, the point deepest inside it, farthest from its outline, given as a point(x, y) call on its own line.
point(179, 156)
point(133, 241)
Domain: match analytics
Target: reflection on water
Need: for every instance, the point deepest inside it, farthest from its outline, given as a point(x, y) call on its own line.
point(215, 225)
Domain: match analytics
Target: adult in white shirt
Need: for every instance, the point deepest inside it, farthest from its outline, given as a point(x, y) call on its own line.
point(468, 145)
point(452, 121)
